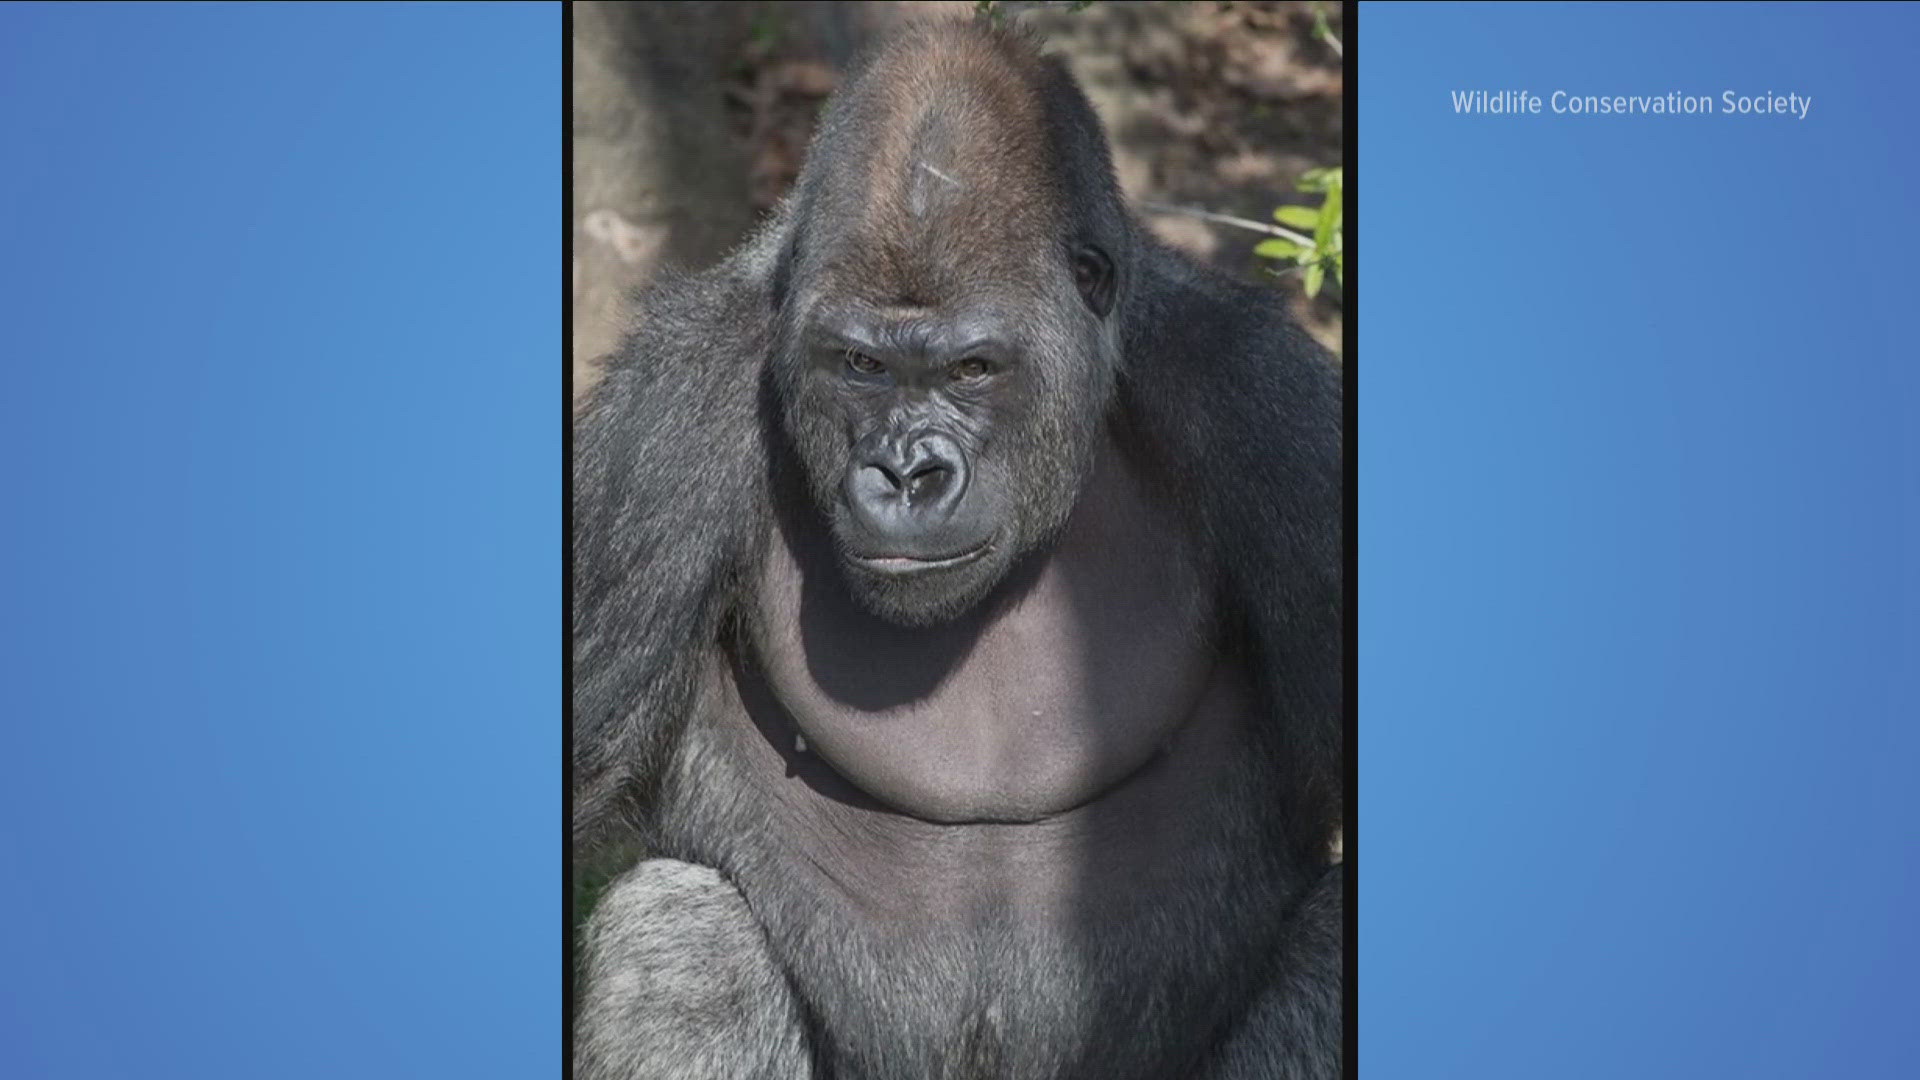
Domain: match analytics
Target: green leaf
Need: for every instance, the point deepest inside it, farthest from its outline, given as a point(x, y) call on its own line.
point(1314, 275)
point(1300, 217)
point(1329, 217)
point(1279, 248)
point(1318, 180)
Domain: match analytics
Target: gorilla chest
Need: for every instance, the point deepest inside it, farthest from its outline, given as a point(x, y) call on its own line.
point(1039, 701)
point(957, 831)
point(1056, 756)
point(1098, 940)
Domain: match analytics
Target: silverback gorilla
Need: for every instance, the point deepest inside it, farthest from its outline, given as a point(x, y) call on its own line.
point(957, 613)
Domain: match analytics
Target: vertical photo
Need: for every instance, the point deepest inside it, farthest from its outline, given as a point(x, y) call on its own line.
point(958, 541)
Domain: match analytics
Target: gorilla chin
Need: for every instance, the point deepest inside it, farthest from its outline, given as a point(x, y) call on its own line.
point(921, 592)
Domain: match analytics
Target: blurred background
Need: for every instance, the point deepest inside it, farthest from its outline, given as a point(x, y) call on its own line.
point(690, 120)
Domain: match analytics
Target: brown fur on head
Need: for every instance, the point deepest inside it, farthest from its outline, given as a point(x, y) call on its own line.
point(956, 189)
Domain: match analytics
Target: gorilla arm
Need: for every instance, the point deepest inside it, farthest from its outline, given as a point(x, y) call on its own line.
point(669, 485)
point(1280, 538)
point(1292, 1031)
point(1244, 411)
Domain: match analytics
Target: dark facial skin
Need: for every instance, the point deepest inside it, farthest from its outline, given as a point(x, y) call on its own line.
point(921, 514)
point(923, 394)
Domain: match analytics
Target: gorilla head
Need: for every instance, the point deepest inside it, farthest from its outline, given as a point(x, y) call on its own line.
point(947, 345)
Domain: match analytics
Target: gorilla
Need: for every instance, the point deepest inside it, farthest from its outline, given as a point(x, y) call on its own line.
point(958, 625)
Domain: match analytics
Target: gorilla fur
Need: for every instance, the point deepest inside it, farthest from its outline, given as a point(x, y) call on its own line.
point(1056, 806)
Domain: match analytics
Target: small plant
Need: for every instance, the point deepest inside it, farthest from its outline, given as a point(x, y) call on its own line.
point(1324, 33)
point(1318, 246)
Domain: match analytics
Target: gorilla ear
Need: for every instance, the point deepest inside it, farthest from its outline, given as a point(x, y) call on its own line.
point(1093, 274)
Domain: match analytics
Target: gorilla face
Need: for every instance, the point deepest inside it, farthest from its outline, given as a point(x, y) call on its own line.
point(944, 441)
point(947, 336)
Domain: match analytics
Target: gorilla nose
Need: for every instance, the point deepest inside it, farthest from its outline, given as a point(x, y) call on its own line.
point(902, 487)
point(917, 488)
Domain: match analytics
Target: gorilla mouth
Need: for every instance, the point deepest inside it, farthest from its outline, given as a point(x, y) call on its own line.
point(907, 564)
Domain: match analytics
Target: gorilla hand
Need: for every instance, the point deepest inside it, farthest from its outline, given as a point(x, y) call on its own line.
point(680, 985)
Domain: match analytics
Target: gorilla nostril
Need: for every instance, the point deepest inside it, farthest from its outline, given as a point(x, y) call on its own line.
point(928, 482)
point(881, 478)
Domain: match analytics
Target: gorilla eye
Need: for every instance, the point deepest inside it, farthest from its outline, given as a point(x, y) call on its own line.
point(864, 364)
point(971, 368)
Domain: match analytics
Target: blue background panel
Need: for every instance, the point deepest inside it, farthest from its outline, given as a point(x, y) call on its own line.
point(1639, 552)
point(280, 596)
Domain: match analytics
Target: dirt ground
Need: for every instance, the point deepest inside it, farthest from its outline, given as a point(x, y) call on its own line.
point(691, 119)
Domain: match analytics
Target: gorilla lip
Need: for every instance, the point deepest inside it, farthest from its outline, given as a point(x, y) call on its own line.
point(906, 564)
